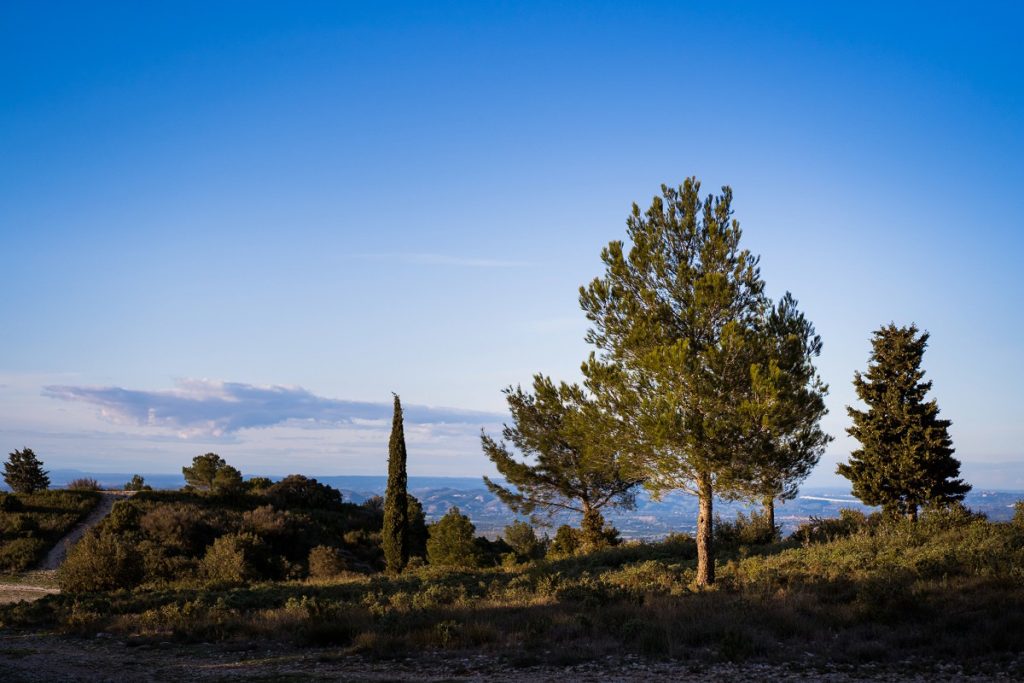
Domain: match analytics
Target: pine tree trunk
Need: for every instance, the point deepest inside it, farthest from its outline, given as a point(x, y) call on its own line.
point(912, 514)
point(705, 542)
point(769, 511)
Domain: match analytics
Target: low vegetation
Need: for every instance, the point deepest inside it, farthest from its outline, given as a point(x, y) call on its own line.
point(31, 523)
point(950, 587)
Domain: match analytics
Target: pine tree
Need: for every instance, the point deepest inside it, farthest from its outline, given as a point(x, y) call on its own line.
point(786, 407)
point(571, 459)
point(24, 472)
point(906, 456)
point(451, 542)
point(396, 507)
point(674, 326)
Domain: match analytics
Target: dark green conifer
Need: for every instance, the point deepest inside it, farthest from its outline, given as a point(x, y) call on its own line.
point(906, 456)
point(24, 472)
point(396, 506)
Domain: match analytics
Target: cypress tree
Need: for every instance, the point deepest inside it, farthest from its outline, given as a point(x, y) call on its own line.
point(396, 506)
point(906, 456)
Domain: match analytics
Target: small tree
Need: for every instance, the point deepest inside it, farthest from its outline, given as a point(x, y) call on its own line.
point(573, 460)
point(203, 471)
point(451, 541)
point(523, 540)
point(137, 483)
point(395, 534)
point(24, 472)
point(299, 491)
point(906, 456)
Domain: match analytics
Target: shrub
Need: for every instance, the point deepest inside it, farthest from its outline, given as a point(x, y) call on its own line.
point(266, 522)
point(297, 491)
point(258, 484)
point(19, 554)
point(849, 522)
point(84, 484)
point(181, 526)
point(10, 503)
point(523, 540)
point(1018, 514)
point(233, 559)
point(325, 562)
point(752, 530)
point(100, 562)
point(567, 542)
point(451, 542)
point(123, 517)
point(137, 483)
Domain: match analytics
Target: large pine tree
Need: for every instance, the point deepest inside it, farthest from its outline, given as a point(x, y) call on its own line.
point(396, 506)
point(674, 323)
point(906, 456)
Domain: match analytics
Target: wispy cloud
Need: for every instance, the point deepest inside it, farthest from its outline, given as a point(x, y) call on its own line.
point(426, 259)
point(207, 408)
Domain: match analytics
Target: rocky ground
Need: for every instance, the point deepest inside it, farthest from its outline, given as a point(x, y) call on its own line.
point(44, 657)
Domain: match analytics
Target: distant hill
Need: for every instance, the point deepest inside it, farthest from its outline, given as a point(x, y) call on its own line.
point(675, 512)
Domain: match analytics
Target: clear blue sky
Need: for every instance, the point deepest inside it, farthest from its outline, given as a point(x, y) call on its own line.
point(340, 200)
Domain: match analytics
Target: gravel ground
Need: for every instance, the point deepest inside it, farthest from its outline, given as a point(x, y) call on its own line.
point(42, 657)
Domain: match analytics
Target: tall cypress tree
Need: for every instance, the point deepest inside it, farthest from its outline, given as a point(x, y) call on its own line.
point(906, 456)
point(396, 507)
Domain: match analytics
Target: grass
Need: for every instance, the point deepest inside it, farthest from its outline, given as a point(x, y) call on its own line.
point(42, 519)
point(949, 589)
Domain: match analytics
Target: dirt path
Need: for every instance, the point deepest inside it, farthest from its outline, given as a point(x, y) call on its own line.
point(42, 581)
point(102, 509)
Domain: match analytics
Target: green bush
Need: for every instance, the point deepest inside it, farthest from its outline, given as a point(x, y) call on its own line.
point(297, 491)
point(20, 554)
point(746, 530)
point(235, 559)
point(566, 543)
point(137, 483)
point(325, 562)
point(181, 526)
point(101, 562)
point(849, 522)
point(521, 537)
point(451, 542)
point(83, 484)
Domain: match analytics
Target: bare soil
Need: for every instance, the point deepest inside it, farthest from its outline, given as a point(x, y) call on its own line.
point(44, 657)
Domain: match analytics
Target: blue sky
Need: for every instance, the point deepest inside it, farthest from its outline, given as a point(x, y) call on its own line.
point(239, 226)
